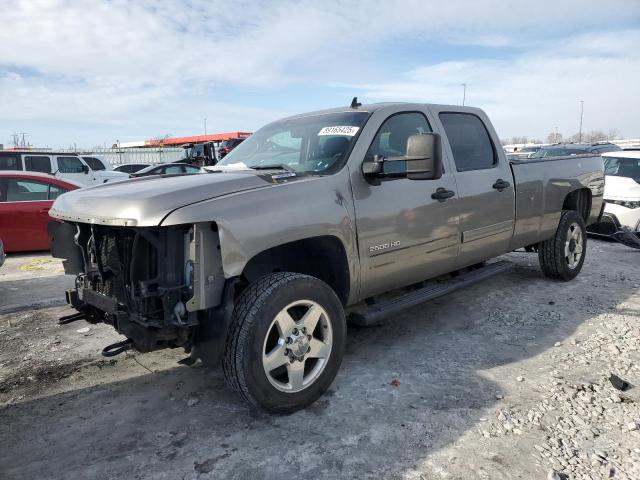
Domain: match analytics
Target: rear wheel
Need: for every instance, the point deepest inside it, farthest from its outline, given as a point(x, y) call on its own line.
point(562, 256)
point(286, 342)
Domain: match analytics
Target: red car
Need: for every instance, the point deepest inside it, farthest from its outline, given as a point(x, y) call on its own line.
point(25, 200)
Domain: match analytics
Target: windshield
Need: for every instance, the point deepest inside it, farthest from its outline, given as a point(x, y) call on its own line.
point(315, 144)
point(557, 152)
point(622, 167)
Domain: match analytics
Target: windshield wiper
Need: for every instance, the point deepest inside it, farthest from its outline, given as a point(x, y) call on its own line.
point(275, 166)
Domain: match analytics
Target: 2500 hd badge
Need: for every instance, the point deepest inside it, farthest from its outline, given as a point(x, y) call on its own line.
point(383, 246)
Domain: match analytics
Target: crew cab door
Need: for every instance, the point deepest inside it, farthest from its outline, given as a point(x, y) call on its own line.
point(485, 186)
point(404, 235)
point(72, 168)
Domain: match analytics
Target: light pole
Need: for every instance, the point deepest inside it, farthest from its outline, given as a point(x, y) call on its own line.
point(464, 93)
point(581, 113)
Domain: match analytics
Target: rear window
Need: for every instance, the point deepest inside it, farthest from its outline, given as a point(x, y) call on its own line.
point(94, 163)
point(26, 191)
point(10, 163)
point(470, 142)
point(37, 164)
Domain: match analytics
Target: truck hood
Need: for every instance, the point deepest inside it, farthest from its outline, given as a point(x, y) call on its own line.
point(621, 188)
point(146, 201)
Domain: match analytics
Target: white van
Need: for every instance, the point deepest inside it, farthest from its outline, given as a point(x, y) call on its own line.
point(84, 169)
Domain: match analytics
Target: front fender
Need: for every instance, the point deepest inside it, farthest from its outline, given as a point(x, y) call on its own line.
point(253, 221)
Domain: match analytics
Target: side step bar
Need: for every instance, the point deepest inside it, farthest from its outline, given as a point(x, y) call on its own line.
point(376, 313)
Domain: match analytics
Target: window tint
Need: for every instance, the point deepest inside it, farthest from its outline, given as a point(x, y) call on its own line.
point(26, 191)
point(470, 142)
point(10, 163)
point(69, 165)
point(94, 163)
point(192, 169)
point(391, 139)
point(174, 169)
point(37, 164)
point(55, 191)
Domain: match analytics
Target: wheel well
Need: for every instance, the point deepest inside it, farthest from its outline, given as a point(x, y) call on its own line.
point(580, 201)
point(322, 257)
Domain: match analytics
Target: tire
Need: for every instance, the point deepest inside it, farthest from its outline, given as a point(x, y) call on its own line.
point(562, 256)
point(261, 336)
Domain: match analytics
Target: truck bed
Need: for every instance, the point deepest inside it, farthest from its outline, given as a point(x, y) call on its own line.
point(541, 186)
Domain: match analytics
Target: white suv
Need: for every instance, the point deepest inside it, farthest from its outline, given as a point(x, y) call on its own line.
point(622, 197)
point(86, 170)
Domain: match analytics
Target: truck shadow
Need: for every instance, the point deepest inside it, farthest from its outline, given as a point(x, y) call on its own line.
point(406, 389)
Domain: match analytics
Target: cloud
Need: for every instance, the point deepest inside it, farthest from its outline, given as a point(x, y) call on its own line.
point(131, 64)
point(539, 90)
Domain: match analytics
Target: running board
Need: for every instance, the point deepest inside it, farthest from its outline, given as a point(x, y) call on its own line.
point(376, 313)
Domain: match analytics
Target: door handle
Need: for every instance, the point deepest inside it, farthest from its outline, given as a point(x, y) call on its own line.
point(441, 194)
point(501, 185)
point(44, 211)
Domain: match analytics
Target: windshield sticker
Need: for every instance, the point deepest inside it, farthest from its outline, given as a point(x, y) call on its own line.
point(339, 130)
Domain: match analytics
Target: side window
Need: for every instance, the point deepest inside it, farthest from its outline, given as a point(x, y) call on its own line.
point(470, 142)
point(391, 139)
point(26, 191)
point(37, 164)
point(69, 165)
point(55, 191)
point(94, 163)
point(10, 163)
point(192, 169)
point(173, 169)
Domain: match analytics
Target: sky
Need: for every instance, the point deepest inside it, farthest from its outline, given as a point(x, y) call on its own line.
point(95, 71)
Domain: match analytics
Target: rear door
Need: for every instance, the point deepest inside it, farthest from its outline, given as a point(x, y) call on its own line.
point(24, 214)
point(485, 186)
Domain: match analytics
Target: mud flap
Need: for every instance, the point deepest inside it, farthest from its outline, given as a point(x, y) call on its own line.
point(62, 244)
point(211, 334)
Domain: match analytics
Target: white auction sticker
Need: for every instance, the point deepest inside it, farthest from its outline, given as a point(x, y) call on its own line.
point(339, 130)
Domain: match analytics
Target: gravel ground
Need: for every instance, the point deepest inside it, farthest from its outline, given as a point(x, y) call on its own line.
point(507, 379)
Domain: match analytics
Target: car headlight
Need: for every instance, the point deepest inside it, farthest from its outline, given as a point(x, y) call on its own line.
point(626, 203)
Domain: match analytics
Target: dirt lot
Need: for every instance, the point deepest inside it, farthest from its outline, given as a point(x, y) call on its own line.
point(508, 379)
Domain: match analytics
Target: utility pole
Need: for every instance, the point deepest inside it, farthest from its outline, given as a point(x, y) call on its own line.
point(205, 125)
point(581, 113)
point(464, 93)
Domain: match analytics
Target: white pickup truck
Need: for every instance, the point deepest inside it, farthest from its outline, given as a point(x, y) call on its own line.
point(84, 169)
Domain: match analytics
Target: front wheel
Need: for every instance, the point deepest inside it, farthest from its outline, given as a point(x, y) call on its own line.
point(562, 256)
point(285, 342)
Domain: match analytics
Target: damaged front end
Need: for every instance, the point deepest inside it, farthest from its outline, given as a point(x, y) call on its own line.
point(151, 284)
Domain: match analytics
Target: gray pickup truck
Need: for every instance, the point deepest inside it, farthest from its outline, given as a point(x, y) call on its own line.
point(259, 263)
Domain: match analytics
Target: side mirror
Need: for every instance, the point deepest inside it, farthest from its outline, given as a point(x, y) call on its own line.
point(423, 160)
point(424, 157)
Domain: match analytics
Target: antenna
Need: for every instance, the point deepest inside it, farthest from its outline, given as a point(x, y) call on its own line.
point(355, 103)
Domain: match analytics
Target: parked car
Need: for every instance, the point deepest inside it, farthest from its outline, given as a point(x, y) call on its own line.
point(567, 149)
point(85, 170)
point(25, 200)
point(131, 167)
point(227, 145)
point(314, 219)
point(168, 169)
point(524, 152)
point(2, 254)
point(621, 218)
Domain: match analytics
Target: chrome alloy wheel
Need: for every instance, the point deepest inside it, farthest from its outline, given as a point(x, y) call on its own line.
point(297, 346)
point(574, 245)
